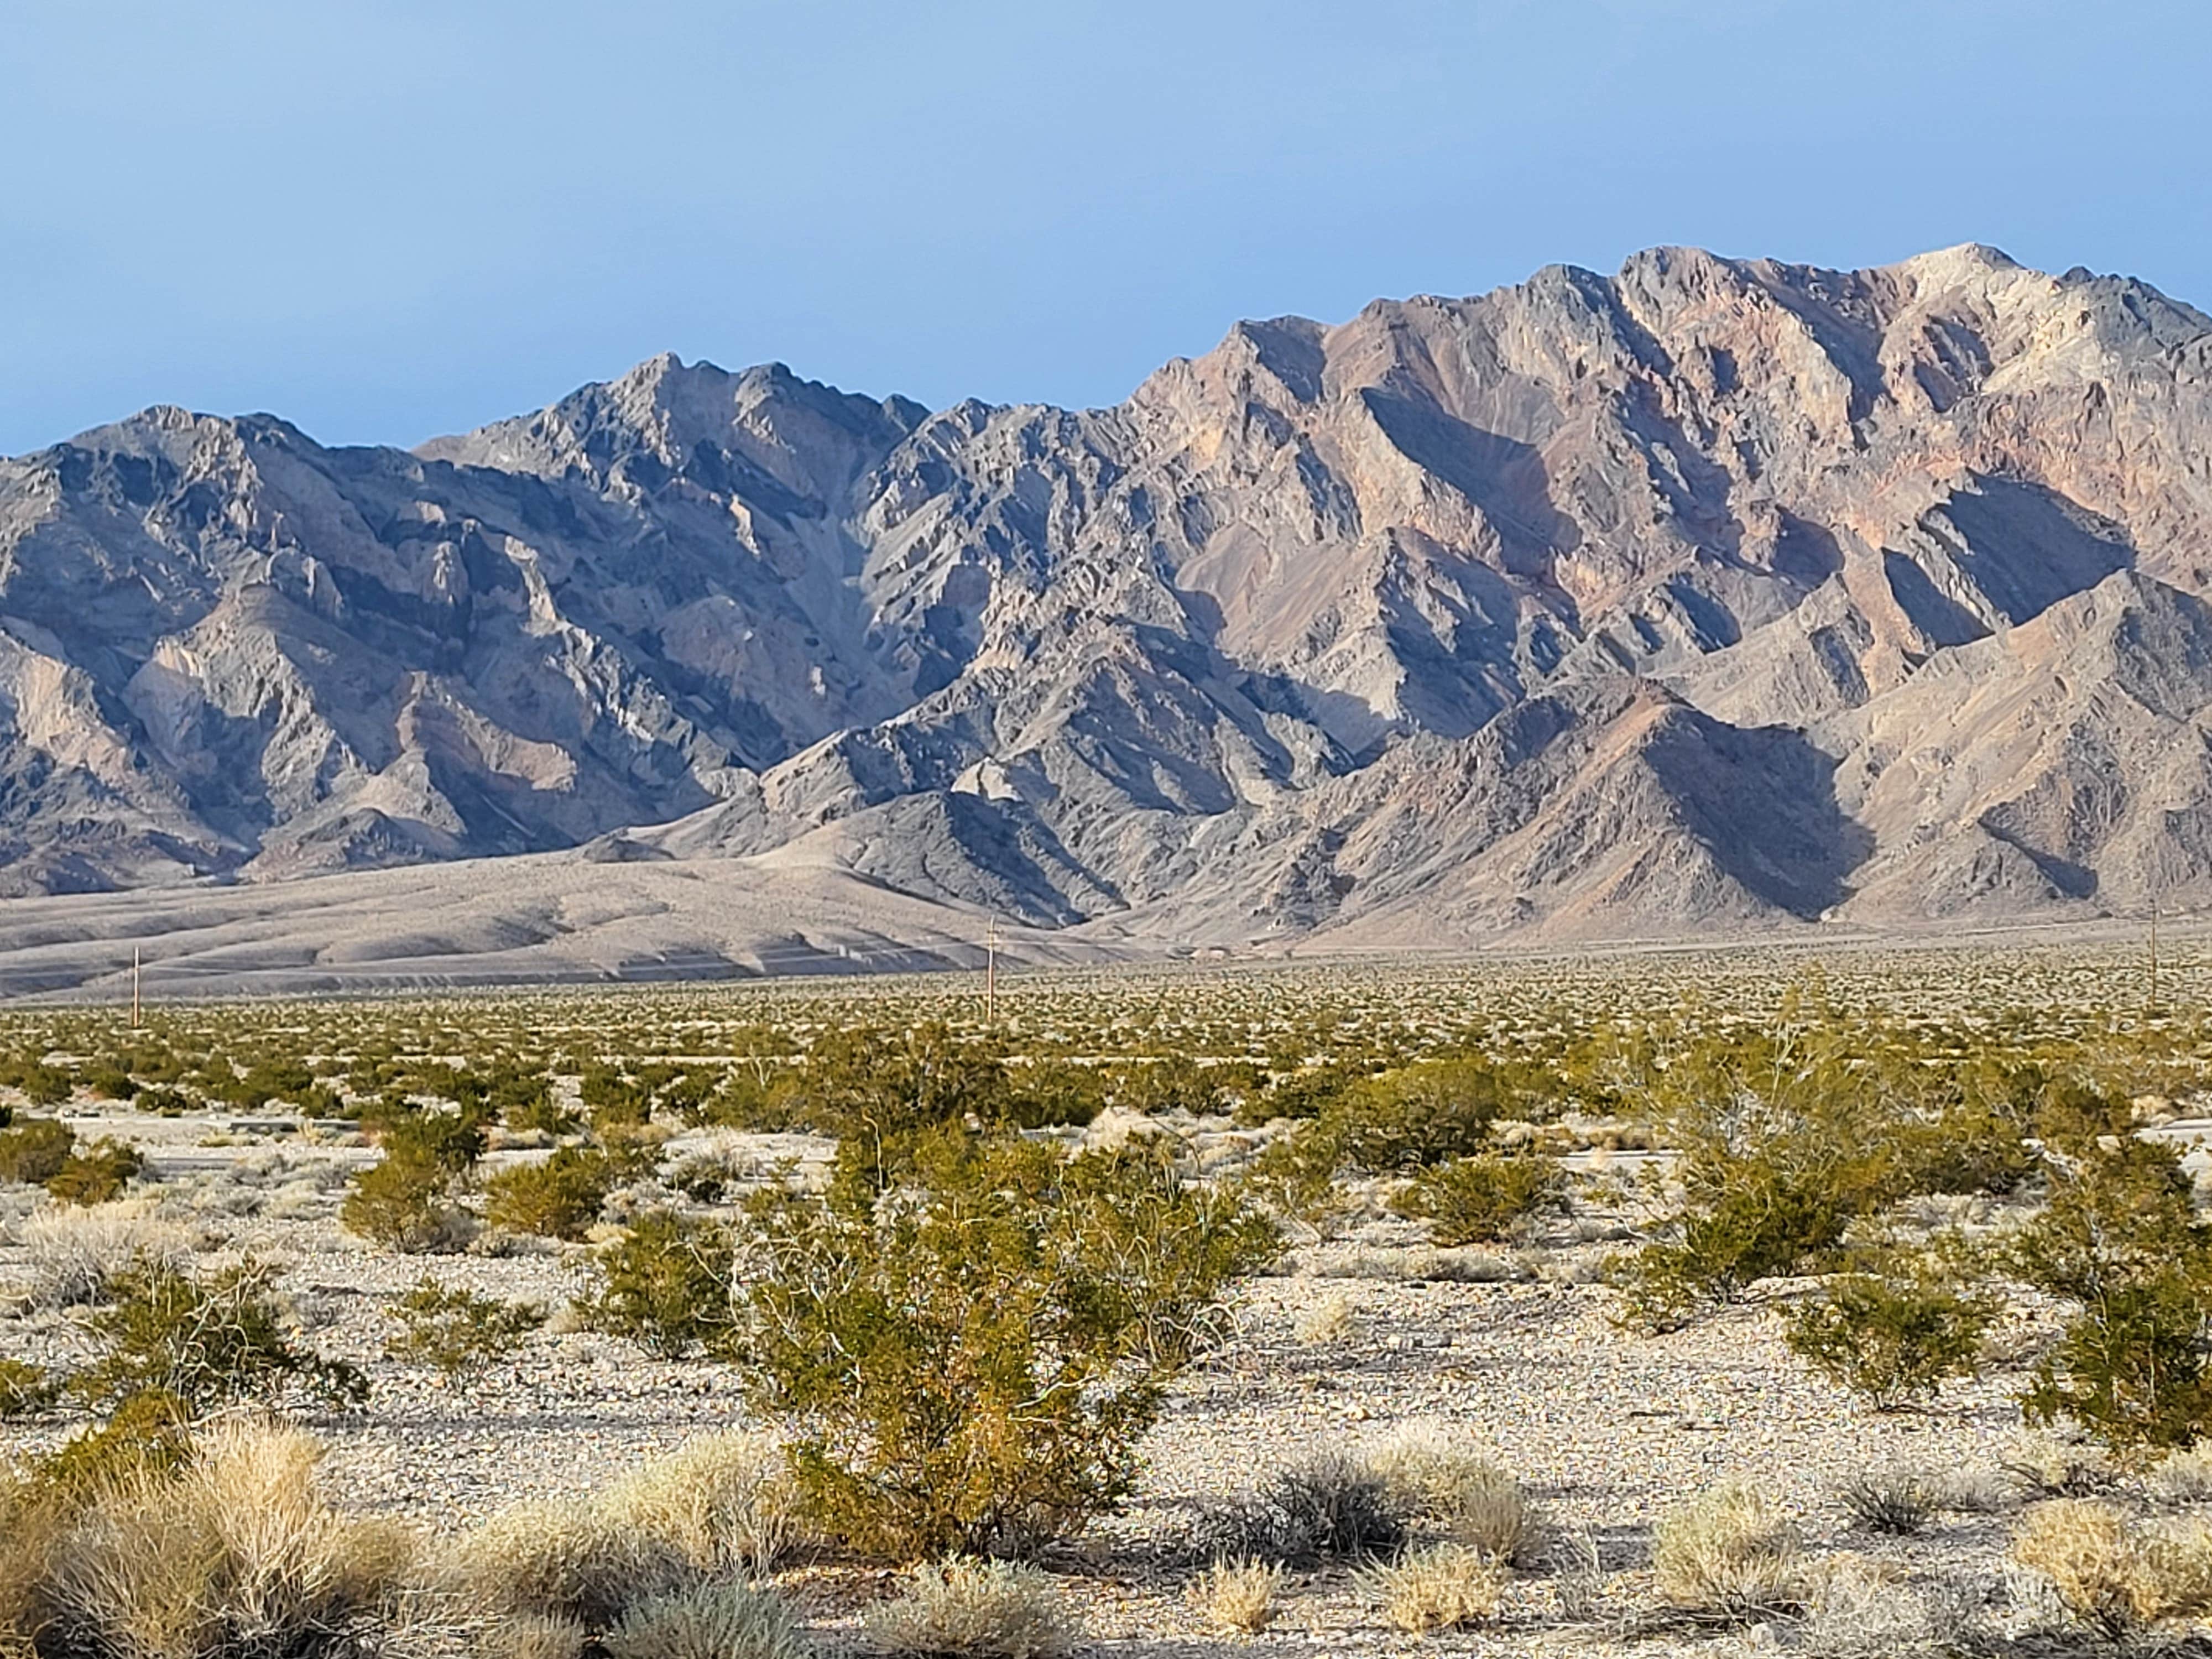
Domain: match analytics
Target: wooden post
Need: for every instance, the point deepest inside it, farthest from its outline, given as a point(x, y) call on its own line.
point(991, 972)
point(134, 988)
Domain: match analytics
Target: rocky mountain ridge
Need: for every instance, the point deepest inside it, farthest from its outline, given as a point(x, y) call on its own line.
point(1714, 594)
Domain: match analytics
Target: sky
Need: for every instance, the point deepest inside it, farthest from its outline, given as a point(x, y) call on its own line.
point(386, 220)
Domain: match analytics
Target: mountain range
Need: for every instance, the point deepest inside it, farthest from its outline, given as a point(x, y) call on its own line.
point(1712, 596)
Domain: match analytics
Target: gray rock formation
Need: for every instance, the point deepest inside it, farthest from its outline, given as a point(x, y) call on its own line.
point(1715, 594)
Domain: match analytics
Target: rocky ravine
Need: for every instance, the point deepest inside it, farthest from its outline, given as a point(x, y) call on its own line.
point(1712, 594)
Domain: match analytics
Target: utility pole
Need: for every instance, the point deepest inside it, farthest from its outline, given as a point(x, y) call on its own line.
point(134, 988)
point(991, 972)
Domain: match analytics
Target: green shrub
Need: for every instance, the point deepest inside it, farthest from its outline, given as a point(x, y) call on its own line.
point(35, 1150)
point(1478, 1199)
point(97, 1175)
point(42, 1084)
point(970, 1361)
point(25, 1389)
point(456, 1331)
point(1893, 1339)
point(1421, 1115)
point(148, 1430)
point(666, 1285)
point(405, 1201)
point(2120, 1241)
point(203, 1342)
point(560, 1198)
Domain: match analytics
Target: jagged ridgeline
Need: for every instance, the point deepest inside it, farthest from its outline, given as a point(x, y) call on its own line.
point(1713, 594)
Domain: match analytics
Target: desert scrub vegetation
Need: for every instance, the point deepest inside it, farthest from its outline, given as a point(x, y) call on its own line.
point(560, 1198)
point(1437, 1587)
point(456, 1332)
point(1331, 1507)
point(1729, 1553)
point(407, 1201)
point(1237, 1598)
point(228, 1549)
point(707, 1621)
point(1480, 1199)
point(2113, 1575)
point(204, 1341)
point(988, 1609)
point(1896, 1336)
point(668, 1285)
point(1440, 1482)
point(970, 1352)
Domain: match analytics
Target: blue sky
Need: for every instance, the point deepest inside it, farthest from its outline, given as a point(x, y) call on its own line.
point(388, 220)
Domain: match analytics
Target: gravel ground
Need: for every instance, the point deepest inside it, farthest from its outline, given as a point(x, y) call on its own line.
point(1606, 1428)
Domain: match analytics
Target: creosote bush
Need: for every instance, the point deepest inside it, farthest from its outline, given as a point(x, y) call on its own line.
point(666, 1285)
point(204, 1342)
point(560, 1198)
point(2120, 1241)
point(35, 1150)
point(970, 1355)
point(977, 1609)
point(1892, 1337)
point(1479, 1199)
point(97, 1175)
point(406, 1201)
point(457, 1332)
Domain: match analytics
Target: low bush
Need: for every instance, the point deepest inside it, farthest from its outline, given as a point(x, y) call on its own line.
point(98, 1175)
point(405, 1201)
point(74, 1255)
point(204, 1342)
point(1892, 1339)
point(2182, 1477)
point(1434, 1478)
point(1237, 1597)
point(35, 1150)
point(978, 1609)
point(707, 1621)
point(1442, 1587)
point(1727, 1554)
point(1479, 1199)
point(2116, 1577)
point(25, 1389)
point(560, 1198)
point(1330, 1507)
point(578, 1564)
point(971, 1355)
point(2120, 1241)
point(232, 1552)
point(1894, 1502)
point(667, 1284)
point(457, 1332)
point(725, 1503)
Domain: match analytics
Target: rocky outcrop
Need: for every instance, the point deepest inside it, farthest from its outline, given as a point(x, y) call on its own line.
point(1710, 594)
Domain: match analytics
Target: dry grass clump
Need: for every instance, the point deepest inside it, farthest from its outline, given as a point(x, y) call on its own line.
point(234, 1552)
point(74, 1254)
point(2112, 1575)
point(725, 1502)
point(1435, 1478)
point(572, 1562)
point(1729, 1553)
point(709, 1621)
point(533, 1635)
point(1442, 1587)
point(976, 1609)
point(1855, 1610)
point(1332, 1319)
point(1237, 1597)
point(2044, 1467)
point(2182, 1477)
